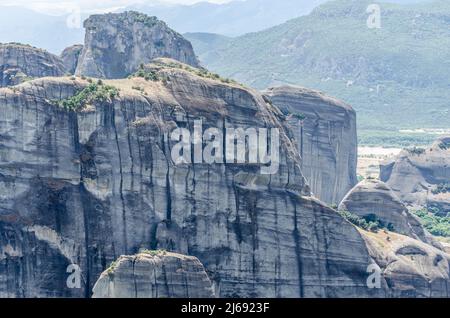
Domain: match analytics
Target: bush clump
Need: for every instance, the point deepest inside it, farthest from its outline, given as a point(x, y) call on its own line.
point(369, 223)
point(416, 151)
point(436, 225)
point(93, 93)
point(441, 188)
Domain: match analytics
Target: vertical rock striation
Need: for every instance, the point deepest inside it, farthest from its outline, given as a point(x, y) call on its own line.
point(325, 133)
point(102, 181)
point(117, 44)
point(20, 62)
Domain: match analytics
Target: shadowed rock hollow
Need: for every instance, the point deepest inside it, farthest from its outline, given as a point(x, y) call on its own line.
point(117, 44)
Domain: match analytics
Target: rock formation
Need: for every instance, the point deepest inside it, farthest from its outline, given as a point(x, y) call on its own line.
point(99, 182)
point(375, 198)
point(420, 177)
point(70, 57)
point(117, 44)
point(325, 133)
point(409, 267)
point(19, 62)
point(87, 175)
point(154, 274)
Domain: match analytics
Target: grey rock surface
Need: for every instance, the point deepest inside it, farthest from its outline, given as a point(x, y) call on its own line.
point(416, 175)
point(19, 62)
point(70, 56)
point(409, 267)
point(117, 44)
point(154, 274)
point(372, 197)
point(325, 138)
point(103, 180)
point(85, 187)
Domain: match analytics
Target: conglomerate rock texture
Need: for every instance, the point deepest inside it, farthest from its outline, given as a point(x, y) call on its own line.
point(117, 44)
point(86, 187)
point(421, 177)
point(154, 274)
point(19, 62)
point(325, 132)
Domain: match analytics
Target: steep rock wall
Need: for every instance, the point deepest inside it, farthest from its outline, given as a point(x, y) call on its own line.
point(325, 133)
point(103, 180)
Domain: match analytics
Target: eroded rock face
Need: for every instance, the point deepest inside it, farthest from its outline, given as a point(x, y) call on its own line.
point(416, 176)
point(117, 44)
point(103, 180)
point(70, 57)
point(374, 198)
point(19, 62)
point(325, 133)
point(410, 267)
point(154, 275)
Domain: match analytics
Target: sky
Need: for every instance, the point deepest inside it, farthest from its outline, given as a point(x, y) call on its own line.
point(55, 7)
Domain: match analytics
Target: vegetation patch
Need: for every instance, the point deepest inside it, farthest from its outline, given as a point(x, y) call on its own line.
point(444, 145)
point(416, 151)
point(200, 72)
point(436, 225)
point(148, 75)
point(153, 252)
point(111, 268)
point(368, 223)
point(93, 93)
point(441, 188)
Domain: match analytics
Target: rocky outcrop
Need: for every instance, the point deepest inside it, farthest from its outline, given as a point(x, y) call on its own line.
point(409, 267)
point(420, 177)
point(102, 180)
point(117, 44)
point(374, 198)
point(70, 57)
point(324, 130)
point(19, 62)
point(154, 274)
point(87, 174)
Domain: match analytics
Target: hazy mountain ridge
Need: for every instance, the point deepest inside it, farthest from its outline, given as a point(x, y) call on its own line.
point(395, 76)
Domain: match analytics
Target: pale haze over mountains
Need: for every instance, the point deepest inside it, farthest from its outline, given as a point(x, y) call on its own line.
point(44, 24)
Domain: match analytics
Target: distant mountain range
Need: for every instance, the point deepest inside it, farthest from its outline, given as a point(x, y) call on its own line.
point(395, 77)
point(19, 24)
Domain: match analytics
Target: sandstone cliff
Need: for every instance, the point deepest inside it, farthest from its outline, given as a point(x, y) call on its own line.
point(154, 274)
point(421, 177)
point(373, 198)
point(90, 185)
point(70, 57)
point(86, 176)
point(117, 44)
point(325, 133)
point(19, 62)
